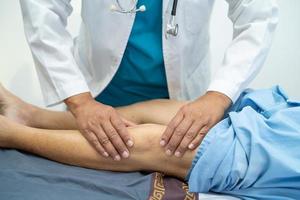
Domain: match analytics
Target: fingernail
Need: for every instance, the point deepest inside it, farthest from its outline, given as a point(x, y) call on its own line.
point(117, 158)
point(191, 146)
point(177, 154)
point(162, 143)
point(105, 154)
point(168, 152)
point(125, 154)
point(129, 143)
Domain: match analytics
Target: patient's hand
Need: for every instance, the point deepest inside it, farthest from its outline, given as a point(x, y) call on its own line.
point(193, 121)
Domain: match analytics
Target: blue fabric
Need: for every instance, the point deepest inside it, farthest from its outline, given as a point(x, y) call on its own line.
point(27, 177)
point(254, 153)
point(141, 75)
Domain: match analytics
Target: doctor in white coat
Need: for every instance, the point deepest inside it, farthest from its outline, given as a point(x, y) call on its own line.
point(124, 55)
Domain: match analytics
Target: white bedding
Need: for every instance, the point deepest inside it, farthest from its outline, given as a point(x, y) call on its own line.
point(211, 196)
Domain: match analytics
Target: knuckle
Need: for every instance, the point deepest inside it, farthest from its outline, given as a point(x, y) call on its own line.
point(110, 131)
point(185, 108)
point(104, 141)
point(91, 124)
point(190, 135)
point(84, 126)
point(85, 131)
point(179, 132)
point(99, 113)
point(196, 115)
point(88, 128)
point(113, 135)
point(94, 142)
point(110, 109)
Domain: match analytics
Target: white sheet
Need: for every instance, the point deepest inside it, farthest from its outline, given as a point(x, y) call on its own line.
point(211, 196)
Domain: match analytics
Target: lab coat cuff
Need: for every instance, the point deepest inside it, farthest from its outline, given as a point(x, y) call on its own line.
point(56, 97)
point(225, 87)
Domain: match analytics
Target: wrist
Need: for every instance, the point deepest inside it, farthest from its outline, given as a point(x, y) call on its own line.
point(74, 102)
point(222, 99)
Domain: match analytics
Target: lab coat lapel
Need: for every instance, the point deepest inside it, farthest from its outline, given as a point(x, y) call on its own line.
point(171, 54)
point(165, 5)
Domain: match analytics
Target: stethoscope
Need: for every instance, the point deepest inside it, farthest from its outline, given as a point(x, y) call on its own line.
point(172, 26)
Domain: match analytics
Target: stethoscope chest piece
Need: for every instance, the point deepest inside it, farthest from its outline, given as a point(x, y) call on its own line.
point(171, 28)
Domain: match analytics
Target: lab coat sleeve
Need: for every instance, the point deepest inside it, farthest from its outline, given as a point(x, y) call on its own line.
point(51, 45)
point(254, 24)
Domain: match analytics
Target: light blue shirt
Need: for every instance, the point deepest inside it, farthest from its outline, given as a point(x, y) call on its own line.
point(141, 75)
point(254, 153)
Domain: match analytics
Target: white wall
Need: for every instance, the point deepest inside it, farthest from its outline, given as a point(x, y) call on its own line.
point(283, 64)
point(282, 67)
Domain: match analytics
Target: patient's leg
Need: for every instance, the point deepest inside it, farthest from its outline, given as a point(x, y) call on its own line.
point(156, 111)
point(70, 147)
point(27, 114)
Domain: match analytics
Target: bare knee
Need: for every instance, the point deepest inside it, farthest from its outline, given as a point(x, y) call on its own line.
point(152, 155)
point(147, 136)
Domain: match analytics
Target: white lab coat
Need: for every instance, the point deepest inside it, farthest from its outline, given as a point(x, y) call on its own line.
point(67, 67)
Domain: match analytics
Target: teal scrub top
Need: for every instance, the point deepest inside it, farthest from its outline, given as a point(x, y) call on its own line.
point(141, 75)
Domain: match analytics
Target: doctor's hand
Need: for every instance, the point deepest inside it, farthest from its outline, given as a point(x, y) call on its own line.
point(192, 122)
point(101, 125)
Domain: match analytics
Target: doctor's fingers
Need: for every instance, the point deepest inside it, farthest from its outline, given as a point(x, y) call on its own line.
point(120, 127)
point(170, 128)
point(105, 141)
point(115, 139)
point(93, 140)
point(178, 135)
point(128, 123)
point(190, 135)
point(198, 139)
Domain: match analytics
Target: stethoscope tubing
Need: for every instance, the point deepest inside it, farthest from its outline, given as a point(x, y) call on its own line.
point(134, 4)
point(172, 27)
point(130, 10)
point(174, 8)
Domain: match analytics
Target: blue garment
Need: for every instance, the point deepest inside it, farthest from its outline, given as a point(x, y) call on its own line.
point(254, 153)
point(141, 75)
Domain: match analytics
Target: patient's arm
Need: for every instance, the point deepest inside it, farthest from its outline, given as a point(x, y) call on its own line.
point(70, 147)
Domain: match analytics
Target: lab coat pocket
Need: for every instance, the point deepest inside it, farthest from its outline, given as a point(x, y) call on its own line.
point(196, 15)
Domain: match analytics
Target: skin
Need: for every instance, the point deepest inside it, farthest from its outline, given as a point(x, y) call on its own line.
point(178, 140)
point(96, 121)
point(70, 147)
point(193, 121)
point(184, 131)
